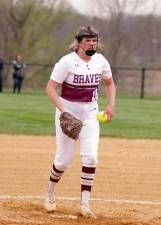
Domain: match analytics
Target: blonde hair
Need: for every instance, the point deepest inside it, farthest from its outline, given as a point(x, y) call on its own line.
point(86, 32)
point(80, 34)
point(73, 47)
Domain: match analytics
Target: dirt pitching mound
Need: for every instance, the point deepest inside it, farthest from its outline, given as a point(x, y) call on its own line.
point(126, 191)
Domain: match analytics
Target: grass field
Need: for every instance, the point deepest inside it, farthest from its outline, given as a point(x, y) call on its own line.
point(32, 113)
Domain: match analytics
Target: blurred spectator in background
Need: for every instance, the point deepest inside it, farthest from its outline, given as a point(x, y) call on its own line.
point(1, 68)
point(18, 73)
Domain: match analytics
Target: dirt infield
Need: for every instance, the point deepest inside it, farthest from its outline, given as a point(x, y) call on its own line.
point(127, 189)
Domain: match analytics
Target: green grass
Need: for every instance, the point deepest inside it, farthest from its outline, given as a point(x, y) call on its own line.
point(135, 118)
point(26, 114)
point(32, 113)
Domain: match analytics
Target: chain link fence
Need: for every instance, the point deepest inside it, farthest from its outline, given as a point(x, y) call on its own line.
point(140, 82)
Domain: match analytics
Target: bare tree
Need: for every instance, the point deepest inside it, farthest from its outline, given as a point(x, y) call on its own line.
point(29, 27)
point(115, 13)
point(129, 37)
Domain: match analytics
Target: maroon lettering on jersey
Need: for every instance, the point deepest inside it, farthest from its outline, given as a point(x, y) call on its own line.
point(75, 80)
point(92, 79)
point(79, 93)
point(87, 80)
point(97, 78)
point(81, 79)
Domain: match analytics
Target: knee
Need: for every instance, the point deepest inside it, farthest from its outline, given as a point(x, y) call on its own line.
point(60, 167)
point(89, 161)
point(62, 164)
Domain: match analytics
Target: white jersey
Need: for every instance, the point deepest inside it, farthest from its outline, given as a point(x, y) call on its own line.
point(80, 79)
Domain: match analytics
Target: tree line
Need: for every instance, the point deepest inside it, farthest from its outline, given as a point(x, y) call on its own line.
point(41, 32)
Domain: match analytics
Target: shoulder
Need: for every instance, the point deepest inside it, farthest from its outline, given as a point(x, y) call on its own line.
point(99, 56)
point(67, 59)
point(102, 59)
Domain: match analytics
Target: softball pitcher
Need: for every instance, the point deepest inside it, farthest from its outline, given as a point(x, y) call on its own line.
point(79, 74)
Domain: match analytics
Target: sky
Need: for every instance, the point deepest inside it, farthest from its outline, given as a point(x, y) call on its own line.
point(81, 5)
point(85, 7)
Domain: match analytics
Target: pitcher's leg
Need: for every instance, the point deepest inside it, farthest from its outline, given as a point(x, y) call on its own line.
point(89, 147)
point(65, 148)
point(64, 155)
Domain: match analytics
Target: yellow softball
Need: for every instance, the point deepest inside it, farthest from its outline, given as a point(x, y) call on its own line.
point(102, 117)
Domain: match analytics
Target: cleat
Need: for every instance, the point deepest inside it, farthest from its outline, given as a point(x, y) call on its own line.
point(50, 203)
point(86, 212)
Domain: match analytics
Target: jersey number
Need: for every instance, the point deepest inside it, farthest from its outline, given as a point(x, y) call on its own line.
point(95, 95)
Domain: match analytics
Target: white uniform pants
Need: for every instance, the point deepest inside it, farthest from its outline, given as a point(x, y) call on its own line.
point(89, 135)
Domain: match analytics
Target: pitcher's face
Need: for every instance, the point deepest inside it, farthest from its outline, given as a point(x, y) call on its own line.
point(88, 43)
